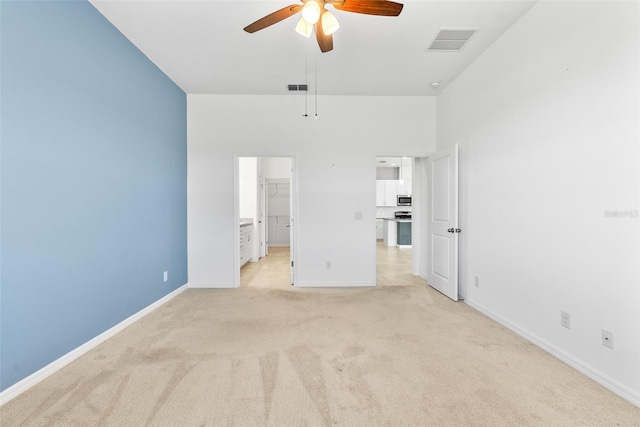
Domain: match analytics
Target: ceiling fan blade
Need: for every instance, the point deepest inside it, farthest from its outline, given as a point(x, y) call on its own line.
point(369, 7)
point(325, 41)
point(273, 18)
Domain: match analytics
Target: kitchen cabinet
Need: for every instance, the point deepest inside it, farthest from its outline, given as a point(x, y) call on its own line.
point(404, 233)
point(390, 233)
point(397, 232)
point(246, 243)
point(380, 199)
point(379, 229)
point(404, 187)
point(404, 184)
point(386, 192)
point(391, 193)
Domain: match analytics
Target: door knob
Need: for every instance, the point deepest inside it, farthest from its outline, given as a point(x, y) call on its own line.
point(450, 230)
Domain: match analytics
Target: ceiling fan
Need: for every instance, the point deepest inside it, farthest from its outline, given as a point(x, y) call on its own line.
point(315, 15)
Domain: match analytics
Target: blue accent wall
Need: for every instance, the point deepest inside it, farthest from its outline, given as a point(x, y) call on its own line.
point(93, 182)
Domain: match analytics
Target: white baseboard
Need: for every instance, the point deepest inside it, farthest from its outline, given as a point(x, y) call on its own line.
point(28, 382)
point(604, 380)
point(333, 284)
point(210, 285)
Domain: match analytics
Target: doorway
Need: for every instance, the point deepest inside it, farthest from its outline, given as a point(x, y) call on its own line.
point(278, 224)
point(265, 212)
point(400, 226)
point(393, 219)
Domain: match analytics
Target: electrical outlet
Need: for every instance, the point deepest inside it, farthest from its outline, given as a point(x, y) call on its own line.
point(607, 338)
point(328, 265)
point(165, 276)
point(565, 319)
point(477, 282)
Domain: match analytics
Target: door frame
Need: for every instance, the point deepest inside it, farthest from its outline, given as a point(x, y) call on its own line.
point(263, 206)
point(418, 239)
point(269, 181)
point(236, 210)
point(419, 229)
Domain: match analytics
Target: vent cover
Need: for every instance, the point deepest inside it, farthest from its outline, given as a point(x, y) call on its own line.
point(302, 87)
point(451, 40)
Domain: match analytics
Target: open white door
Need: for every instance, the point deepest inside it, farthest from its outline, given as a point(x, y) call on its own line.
point(443, 222)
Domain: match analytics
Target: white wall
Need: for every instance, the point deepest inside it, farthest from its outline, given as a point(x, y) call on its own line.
point(548, 125)
point(335, 171)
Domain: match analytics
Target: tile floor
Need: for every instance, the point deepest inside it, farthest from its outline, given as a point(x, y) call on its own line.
point(272, 271)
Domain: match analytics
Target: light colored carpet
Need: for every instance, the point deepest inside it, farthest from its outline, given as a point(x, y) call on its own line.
point(384, 356)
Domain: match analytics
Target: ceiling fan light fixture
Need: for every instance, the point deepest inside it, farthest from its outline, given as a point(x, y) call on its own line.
point(324, 23)
point(329, 23)
point(304, 28)
point(311, 11)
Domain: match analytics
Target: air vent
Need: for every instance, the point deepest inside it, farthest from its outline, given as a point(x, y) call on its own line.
point(451, 40)
point(303, 87)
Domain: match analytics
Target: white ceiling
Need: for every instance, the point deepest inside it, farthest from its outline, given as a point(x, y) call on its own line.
point(201, 46)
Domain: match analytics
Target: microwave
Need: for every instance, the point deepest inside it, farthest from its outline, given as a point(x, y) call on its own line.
point(404, 200)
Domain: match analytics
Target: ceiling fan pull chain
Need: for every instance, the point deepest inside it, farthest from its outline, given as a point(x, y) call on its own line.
point(306, 83)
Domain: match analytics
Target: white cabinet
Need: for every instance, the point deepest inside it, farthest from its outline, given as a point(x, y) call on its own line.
point(379, 229)
point(391, 193)
point(390, 233)
point(380, 199)
point(386, 192)
point(246, 243)
point(404, 187)
point(404, 184)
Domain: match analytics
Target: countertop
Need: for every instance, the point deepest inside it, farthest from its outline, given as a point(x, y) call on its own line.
point(397, 219)
point(246, 221)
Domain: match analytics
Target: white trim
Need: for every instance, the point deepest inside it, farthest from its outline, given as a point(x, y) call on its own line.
point(236, 222)
point(334, 284)
point(373, 248)
point(602, 379)
point(293, 212)
point(28, 382)
point(224, 285)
